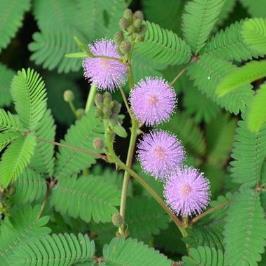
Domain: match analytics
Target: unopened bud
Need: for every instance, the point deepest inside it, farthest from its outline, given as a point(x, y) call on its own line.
point(124, 23)
point(119, 37)
point(106, 112)
point(138, 15)
point(128, 14)
point(117, 219)
point(98, 144)
point(125, 47)
point(130, 29)
point(68, 96)
point(98, 100)
point(107, 98)
point(116, 108)
point(137, 24)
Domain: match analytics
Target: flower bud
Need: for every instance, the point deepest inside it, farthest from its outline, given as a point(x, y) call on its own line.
point(98, 100)
point(116, 108)
point(128, 14)
point(98, 144)
point(137, 24)
point(125, 47)
point(138, 15)
point(119, 37)
point(68, 96)
point(130, 29)
point(117, 219)
point(106, 112)
point(107, 99)
point(124, 23)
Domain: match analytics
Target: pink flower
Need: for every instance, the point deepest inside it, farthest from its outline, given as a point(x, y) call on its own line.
point(105, 73)
point(160, 153)
point(187, 191)
point(152, 101)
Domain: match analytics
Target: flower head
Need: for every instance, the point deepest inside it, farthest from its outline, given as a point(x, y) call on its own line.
point(105, 73)
point(152, 101)
point(160, 153)
point(187, 191)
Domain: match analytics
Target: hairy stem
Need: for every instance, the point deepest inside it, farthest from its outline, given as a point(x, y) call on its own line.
point(130, 155)
point(90, 98)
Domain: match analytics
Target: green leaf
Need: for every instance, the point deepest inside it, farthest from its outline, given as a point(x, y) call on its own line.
point(256, 116)
point(29, 95)
point(241, 76)
point(43, 158)
point(255, 8)
point(6, 76)
point(244, 244)
point(87, 197)
point(11, 19)
point(6, 138)
point(198, 21)
point(249, 152)
point(130, 252)
point(30, 186)
point(22, 228)
point(254, 34)
point(144, 220)
point(204, 256)
point(79, 138)
point(16, 158)
point(208, 72)
point(163, 47)
point(9, 121)
point(53, 250)
point(229, 44)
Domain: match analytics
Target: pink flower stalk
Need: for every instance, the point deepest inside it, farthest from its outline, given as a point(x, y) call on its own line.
point(187, 192)
point(105, 73)
point(152, 101)
point(160, 153)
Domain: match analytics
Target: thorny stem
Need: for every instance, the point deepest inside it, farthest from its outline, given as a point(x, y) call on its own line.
point(90, 98)
point(209, 211)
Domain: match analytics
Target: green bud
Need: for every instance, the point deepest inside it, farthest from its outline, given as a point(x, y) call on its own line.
point(130, 29)
point(143, 29)
point(99, 113)
point(106, 112)
point(117, 219)
point(138, 15)
point(137, 24)
point(124, 23)
point(107, 98)
point(116, 108)
point(98, 144)
point(128, 14)
point(98, 100)
point(125, 47)
point(68, 96)
point(140, 37)
point(119, 37)
point(80, 112)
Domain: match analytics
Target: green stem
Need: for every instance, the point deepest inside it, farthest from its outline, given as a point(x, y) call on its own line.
point(73, 109)
point(130, 155)
point(126, 103)
point(90, 98)
point(179, 74)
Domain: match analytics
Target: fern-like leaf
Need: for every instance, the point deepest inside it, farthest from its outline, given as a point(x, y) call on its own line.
point(16, 158)
point(249, 150)
point(208, 72)
point(244, 244)
point(130, 252)
point(70, 161)
point(22, 228)
point(53, 250)
point(230, 45)
point(256, 116)
point(43, 158)
point(163, 47)
point(29, 187)
point(12, 20)
point(244, 75)
point(87, 198)
point(254, 34)
point(6, 138)
point(144, 220)
point(6, 76)
point(29, 95)
point(9, 121)
point(198, 21)
point(204, 256)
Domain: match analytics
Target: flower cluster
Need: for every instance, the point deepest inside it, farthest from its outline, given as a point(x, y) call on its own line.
point(160, 153)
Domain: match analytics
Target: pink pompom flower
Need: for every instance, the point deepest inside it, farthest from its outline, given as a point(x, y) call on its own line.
point(187, 191)
point(105, 73)
point(160, 153)
point(152, 101)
